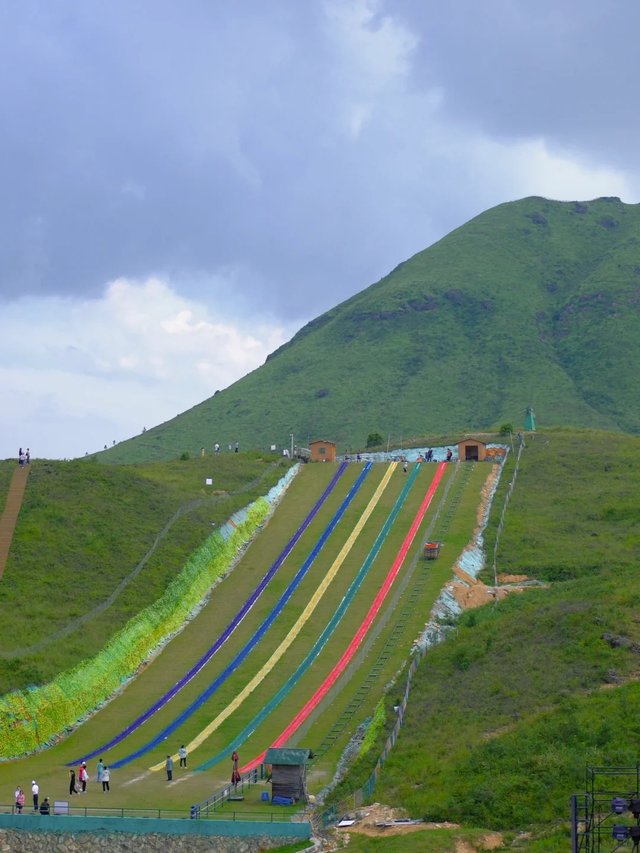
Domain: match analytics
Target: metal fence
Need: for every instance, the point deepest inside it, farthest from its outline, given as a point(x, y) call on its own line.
point(219, 801)
point(357, 798)
point(62, 807)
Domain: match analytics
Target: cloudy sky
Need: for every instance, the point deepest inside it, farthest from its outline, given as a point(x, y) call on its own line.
point(184, 185)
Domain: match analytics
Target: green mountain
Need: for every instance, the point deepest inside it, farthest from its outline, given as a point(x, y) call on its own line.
point(532, 303)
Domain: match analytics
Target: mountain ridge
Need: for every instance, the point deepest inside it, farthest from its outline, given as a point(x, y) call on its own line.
point(533, 302)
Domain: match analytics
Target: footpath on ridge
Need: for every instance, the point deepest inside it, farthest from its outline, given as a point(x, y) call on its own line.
point(11, 511)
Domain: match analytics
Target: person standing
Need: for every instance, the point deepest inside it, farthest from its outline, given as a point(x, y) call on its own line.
point(83, 776)
point(19, 799)
point(99, 770)
point(182, 752)
point(106, 778)
point(168, 766)
point(235, 773)
point(35, 790)
point(72, 782)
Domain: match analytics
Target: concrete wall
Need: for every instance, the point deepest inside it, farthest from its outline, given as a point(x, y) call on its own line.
point(31, 833)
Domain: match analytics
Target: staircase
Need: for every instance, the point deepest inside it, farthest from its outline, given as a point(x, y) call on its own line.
point(11, 510)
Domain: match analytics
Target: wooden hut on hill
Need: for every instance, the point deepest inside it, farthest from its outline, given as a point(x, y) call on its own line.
point(322, 450)
point(288, 773)
point(472, 449)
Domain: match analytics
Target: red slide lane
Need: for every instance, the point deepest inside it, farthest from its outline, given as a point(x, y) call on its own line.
point(360, 634)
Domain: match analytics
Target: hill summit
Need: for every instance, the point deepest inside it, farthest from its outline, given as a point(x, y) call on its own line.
point(532, 303)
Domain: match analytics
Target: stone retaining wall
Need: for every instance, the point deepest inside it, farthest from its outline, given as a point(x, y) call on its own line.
point(24, 841)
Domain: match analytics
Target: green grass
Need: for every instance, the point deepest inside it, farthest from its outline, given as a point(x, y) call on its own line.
point(504, 716)
point(6, 472)
point(198, 634)
point(85, 528)
point(592, 519)
point(432, 840)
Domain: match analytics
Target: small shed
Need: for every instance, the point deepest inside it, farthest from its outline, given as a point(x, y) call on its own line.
point(288, 772)
point(322, 450)
point(472, 449)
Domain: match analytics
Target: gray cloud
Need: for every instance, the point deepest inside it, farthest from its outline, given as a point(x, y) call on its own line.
point(150, 137)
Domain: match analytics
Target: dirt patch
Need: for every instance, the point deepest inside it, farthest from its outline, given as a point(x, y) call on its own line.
point(470, 592)
point(377, 820)
point(490, 841)
point(503, 578)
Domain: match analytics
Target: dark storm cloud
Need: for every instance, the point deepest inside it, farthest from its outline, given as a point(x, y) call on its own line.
point(184, 139)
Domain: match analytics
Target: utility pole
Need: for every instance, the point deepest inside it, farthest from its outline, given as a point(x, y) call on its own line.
point(291, 434)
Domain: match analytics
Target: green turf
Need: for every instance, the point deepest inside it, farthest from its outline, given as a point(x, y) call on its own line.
point(84, 529)
point(198, 634)
point(503, 716)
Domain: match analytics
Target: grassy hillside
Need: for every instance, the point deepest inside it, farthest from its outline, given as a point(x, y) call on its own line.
point(505, 716)
point(533, 303)
point(399, 621)
point(85, 528)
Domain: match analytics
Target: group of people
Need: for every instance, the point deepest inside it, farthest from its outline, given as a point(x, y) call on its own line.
point(168, 765)
point(43, 807)
point(216, 448)
point(24, 457)
point(103, 777)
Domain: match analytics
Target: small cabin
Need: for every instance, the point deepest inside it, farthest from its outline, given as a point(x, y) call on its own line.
point(472, 449)
point(322, 450)
point(288, 773)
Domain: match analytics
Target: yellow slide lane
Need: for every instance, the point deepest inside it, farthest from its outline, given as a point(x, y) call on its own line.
point(295, 630)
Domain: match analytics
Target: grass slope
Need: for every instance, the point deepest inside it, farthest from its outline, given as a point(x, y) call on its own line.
point(532, 303)
point(85, 528)
point(504, 716)
point(198, 635)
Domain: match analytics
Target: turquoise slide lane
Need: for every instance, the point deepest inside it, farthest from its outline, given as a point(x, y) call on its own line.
point(326, 634)
point(257, 636)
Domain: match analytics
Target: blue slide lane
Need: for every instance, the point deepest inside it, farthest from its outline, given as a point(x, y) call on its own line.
point(257, 636)
point(237, 619)
point(317, 647)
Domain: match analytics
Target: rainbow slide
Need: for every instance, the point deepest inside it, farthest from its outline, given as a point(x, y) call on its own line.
point(315, 599)
point(224, 636)
point(362, 631)
point(326, 634)
point(257, 636)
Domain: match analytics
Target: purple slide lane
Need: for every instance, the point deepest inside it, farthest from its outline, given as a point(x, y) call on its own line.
point(224, 636)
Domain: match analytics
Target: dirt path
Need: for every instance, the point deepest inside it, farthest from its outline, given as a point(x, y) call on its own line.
point(11, 511)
